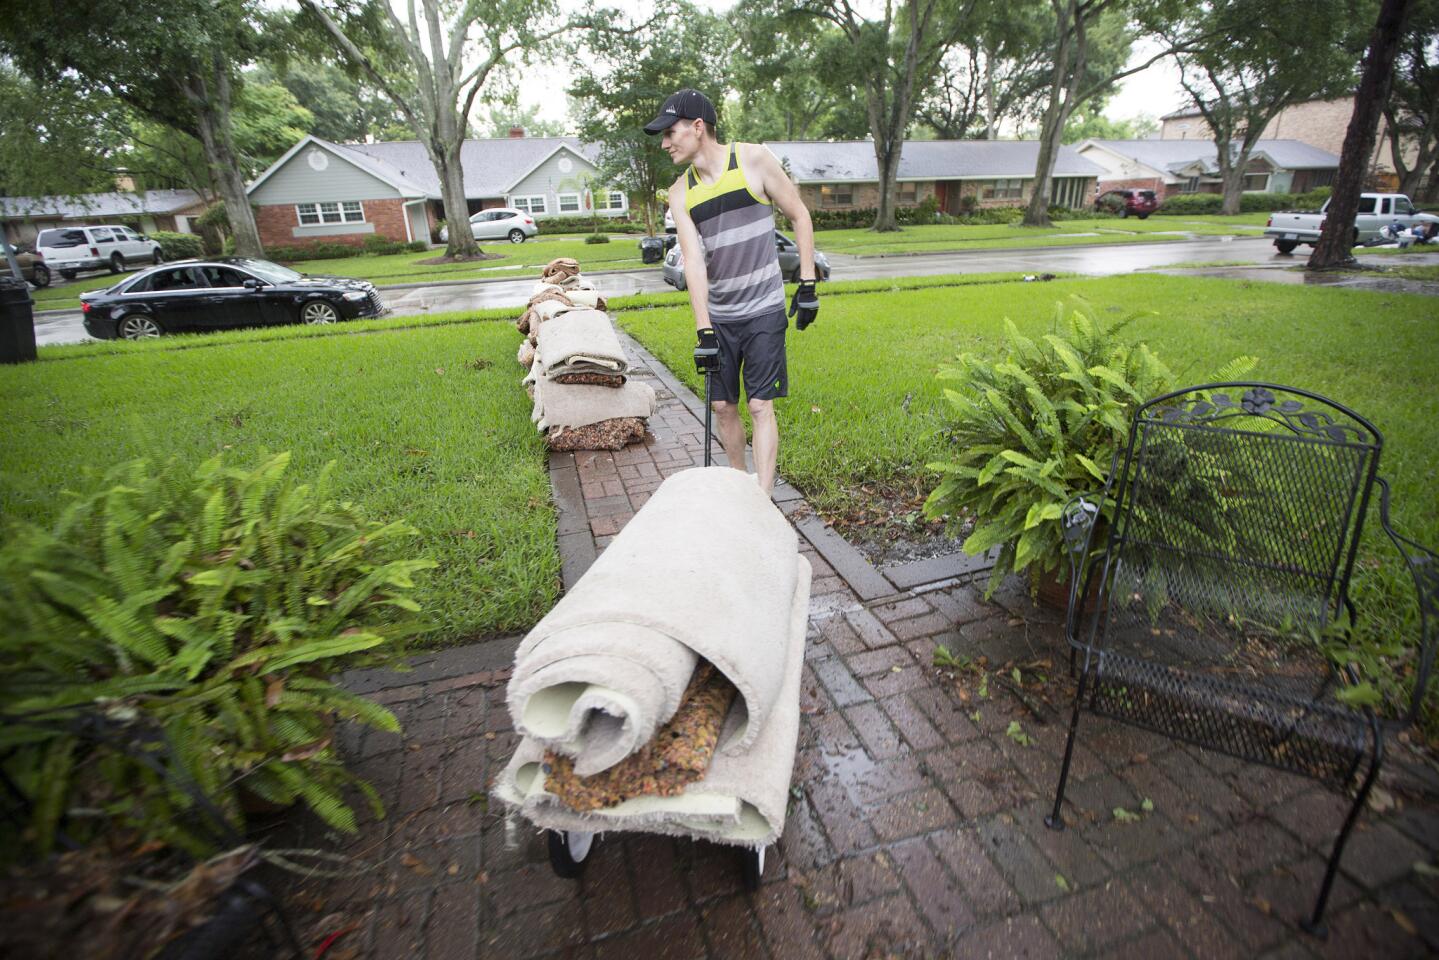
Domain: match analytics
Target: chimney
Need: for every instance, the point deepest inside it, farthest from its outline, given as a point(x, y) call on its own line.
point(517, 133)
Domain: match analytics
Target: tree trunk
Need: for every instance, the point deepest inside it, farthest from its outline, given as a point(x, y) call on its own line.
point(1051, 130)
point(212, 115)
point(1337, 238)
point(446, 158)
point(888, 161)
point(1231, 178)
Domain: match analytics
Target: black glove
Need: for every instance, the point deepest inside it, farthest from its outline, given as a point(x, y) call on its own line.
point(806, 303)
point(707, 351)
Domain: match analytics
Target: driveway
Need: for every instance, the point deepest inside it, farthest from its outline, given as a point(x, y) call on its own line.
point(1095, 261)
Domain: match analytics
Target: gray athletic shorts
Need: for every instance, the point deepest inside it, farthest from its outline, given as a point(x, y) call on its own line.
point(754, 347)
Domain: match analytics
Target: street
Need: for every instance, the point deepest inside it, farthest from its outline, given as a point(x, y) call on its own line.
point(1094, 261)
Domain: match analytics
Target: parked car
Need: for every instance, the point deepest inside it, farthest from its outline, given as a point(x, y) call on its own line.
point(69, 250)
point(670, 221)
point(220, 295)
point(674, 268)
point(32, 268)
point(1376, 211)
point(501, 223)
point(1126, 203)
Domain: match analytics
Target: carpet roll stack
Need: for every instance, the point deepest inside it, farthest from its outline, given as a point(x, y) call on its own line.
point(670, 710)
point(578, 372)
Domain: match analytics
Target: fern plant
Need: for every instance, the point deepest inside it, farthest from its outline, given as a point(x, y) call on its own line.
point(1034, 429)
point(199, 616)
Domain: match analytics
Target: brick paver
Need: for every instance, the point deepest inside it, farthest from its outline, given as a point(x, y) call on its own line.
point(915, 828)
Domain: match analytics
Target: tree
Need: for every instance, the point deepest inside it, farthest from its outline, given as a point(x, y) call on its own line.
point(893, 59)
point(502, 118)
point(434, 66)
point(998, 79)
point(1291, 52)
point(790, 89)
point(173, 62)
point(345, 108)
point(1093, 124)
point(1337, 237)
point(619, 88)
point(55, 140)
point(1076, 79)
point(1412, 113)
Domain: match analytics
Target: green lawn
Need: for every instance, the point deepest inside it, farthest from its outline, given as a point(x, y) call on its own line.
point(517, 260)
point(429, 425)
point(865, 408)
point(936, 238)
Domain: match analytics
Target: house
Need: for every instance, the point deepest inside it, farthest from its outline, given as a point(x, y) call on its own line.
point(24, 217)
point(1169, 167)
point(995, 173)
point(342, 193)
point(1319, 123)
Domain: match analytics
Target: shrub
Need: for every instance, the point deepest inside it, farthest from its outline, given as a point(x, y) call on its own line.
point(1039, 427)
point(178, 246)
point(558, 226)
point(207, 610)
point(1191, 203)
point(597, 238)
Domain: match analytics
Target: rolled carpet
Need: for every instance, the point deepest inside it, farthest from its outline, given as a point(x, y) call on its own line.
point(742, 797)
point(613, 434)
point(611, 380)
point(607, 666)
point(576, 405)
point(526, 356)
point(580, 341)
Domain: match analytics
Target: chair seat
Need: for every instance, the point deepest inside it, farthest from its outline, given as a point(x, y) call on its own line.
point(1314, 738)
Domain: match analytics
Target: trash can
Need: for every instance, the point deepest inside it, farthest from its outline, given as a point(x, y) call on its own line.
point(17, 321)
point(652, 249)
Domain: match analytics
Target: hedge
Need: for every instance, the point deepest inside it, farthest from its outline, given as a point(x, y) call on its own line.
point(1191, 203)
point(178, 246)
point(378, 246)
point(584, 225)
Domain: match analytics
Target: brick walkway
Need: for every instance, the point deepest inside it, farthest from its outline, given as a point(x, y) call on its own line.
point(916, 825)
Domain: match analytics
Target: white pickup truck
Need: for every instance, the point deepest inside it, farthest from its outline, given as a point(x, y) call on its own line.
point(1376, 210)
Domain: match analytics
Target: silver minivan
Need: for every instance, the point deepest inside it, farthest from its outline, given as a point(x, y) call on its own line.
point(69, 250)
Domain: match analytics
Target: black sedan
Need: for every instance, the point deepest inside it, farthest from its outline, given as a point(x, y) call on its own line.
point(220, 295)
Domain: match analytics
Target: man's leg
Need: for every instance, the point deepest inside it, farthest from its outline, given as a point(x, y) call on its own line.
point(766, 441)
point(731, 431)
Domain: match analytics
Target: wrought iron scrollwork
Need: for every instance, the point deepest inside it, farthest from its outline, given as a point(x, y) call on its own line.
point(1202, 407)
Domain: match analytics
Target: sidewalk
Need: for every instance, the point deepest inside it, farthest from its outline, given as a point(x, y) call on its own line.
point(916, 823)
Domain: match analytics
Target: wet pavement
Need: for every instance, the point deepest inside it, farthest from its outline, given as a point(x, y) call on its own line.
point(915, 828)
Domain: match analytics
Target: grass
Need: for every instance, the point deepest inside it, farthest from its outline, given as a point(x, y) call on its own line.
point(620, 253)
point(1197, 264)
point(430, 426)
point(1414, 271)
point(865, 410)
point(936, 238)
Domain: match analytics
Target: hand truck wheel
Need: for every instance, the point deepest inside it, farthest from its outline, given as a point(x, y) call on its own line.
point(568, 850)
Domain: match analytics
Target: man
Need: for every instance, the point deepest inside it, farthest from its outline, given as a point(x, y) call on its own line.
point(723, 207)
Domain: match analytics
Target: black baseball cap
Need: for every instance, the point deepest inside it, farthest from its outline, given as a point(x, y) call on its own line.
point(683, 104)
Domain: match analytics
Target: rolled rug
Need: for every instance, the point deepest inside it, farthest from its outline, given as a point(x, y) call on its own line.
point(581, 341)
point(741, 799)
point(579, 405)
point(526, 356)
point(706, 568)
point(613, 434)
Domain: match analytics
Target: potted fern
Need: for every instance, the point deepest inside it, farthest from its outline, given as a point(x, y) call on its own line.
point(1036, 428)
point(204, 612)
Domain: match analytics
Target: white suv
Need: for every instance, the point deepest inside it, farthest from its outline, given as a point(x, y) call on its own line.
point(72, 249)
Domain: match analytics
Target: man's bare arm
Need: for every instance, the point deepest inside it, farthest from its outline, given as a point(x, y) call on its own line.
point(781, 191)
point(696, 278)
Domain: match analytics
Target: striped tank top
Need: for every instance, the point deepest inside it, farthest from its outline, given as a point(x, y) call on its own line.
point(737, 230)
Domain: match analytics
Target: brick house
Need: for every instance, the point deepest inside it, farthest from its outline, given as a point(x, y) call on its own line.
point(342, 193)
point(1319, 123)
point(844, 175)
point(1170, 167)
point(22, 218)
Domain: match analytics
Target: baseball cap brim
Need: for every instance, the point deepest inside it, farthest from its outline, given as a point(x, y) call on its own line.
point(661, 123)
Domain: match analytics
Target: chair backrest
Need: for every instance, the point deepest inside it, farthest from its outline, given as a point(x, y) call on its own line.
point(1240, 503)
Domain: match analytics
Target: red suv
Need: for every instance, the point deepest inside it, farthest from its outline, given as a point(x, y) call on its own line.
point(1138, 203)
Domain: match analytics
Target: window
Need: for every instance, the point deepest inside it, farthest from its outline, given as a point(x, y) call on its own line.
point(61, 238)
point(836, 195)
point(610, 200)
point(177, 279)
point(530, 205)
point(907, 192)
point(1401, 206)
point(223, 276)
point(569, 203)
point(101, 235)
point(348, 211)
point(1256, 182)
point(1011, 189)
point(1366, 205)
point(1190, 186)
point(1384, 206)
point(1321, 178)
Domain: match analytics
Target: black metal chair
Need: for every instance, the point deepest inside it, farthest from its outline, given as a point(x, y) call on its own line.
point(1237, 513)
